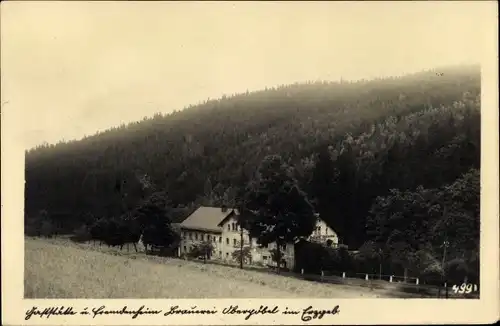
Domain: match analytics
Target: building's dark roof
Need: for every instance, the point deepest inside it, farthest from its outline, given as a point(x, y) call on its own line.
point(206, 219)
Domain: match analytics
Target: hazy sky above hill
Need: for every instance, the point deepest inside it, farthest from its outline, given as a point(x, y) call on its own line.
point(70, 69)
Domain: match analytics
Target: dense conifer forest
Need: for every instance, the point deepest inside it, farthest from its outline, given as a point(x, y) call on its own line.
point(376, 158)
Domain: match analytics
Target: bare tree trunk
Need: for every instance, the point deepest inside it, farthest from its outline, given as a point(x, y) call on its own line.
point(278, 256)
point(241, 247)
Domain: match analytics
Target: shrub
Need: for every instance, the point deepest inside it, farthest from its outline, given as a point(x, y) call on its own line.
point(433, 274)
point(81, 234)
point(456, 270)
point(32, 227)
point(47, 229)
point(203, 249)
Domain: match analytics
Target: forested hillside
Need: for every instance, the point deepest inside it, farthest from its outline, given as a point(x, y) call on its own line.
point(349, 143)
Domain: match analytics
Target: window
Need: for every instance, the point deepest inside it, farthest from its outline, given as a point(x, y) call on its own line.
point(319, 229)
point(185, 249)
point(196, 236)
point(220, 239)
point(220, 254)
point(227, 240)
point(326, 231)
point(229, 227)
point(234, 242)
point(190, 235)
point(265, 257)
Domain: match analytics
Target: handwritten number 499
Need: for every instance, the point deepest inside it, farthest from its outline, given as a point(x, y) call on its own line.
point(464, 288)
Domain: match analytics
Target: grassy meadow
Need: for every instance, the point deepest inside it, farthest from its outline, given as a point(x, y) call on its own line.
point(58, 268)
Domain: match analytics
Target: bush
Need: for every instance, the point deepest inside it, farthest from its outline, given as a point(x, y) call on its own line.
point(47, 229)
point(432, 274)
point(456, 270)
point(32, 227)
point(203, 249)
point(310, 257)
point(81, 234)
point(314, 258)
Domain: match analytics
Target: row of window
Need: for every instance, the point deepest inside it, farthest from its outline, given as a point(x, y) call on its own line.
point(208, 237)
point(200, 236)
point(215, 239)
point(230, 227)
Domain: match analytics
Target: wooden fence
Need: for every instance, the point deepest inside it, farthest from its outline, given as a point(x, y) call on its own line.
point(412, 286)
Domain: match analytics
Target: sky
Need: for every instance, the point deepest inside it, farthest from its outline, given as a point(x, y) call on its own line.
point(71, 69)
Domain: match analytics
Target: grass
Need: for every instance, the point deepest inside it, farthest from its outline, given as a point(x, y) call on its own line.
point(58, 268)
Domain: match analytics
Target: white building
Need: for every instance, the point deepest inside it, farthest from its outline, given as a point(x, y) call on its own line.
point(220, 225)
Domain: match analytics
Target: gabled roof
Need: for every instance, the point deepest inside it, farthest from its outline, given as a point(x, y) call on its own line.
point(221, 223)
point(206, 219)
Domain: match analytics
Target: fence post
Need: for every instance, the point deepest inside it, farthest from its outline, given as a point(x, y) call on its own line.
point(302, 271)
point(366, 277)
point(416, 281)
point(322, 275)
point(343, 275)
point(390, 279)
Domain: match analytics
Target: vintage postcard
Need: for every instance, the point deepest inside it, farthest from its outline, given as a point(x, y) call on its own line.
point(249, 163)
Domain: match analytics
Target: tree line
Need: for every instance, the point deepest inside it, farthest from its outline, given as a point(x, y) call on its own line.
point(222, 140)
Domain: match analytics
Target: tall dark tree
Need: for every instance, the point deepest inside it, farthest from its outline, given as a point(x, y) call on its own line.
point(280, 212)
point(154, 218)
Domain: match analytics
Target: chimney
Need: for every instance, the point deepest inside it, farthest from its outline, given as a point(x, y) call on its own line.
point(224, 208)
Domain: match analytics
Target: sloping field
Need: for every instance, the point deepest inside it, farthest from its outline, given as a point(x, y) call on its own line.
point(55, 270)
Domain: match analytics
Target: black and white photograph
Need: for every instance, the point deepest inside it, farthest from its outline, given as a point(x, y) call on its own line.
point(269, 150)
